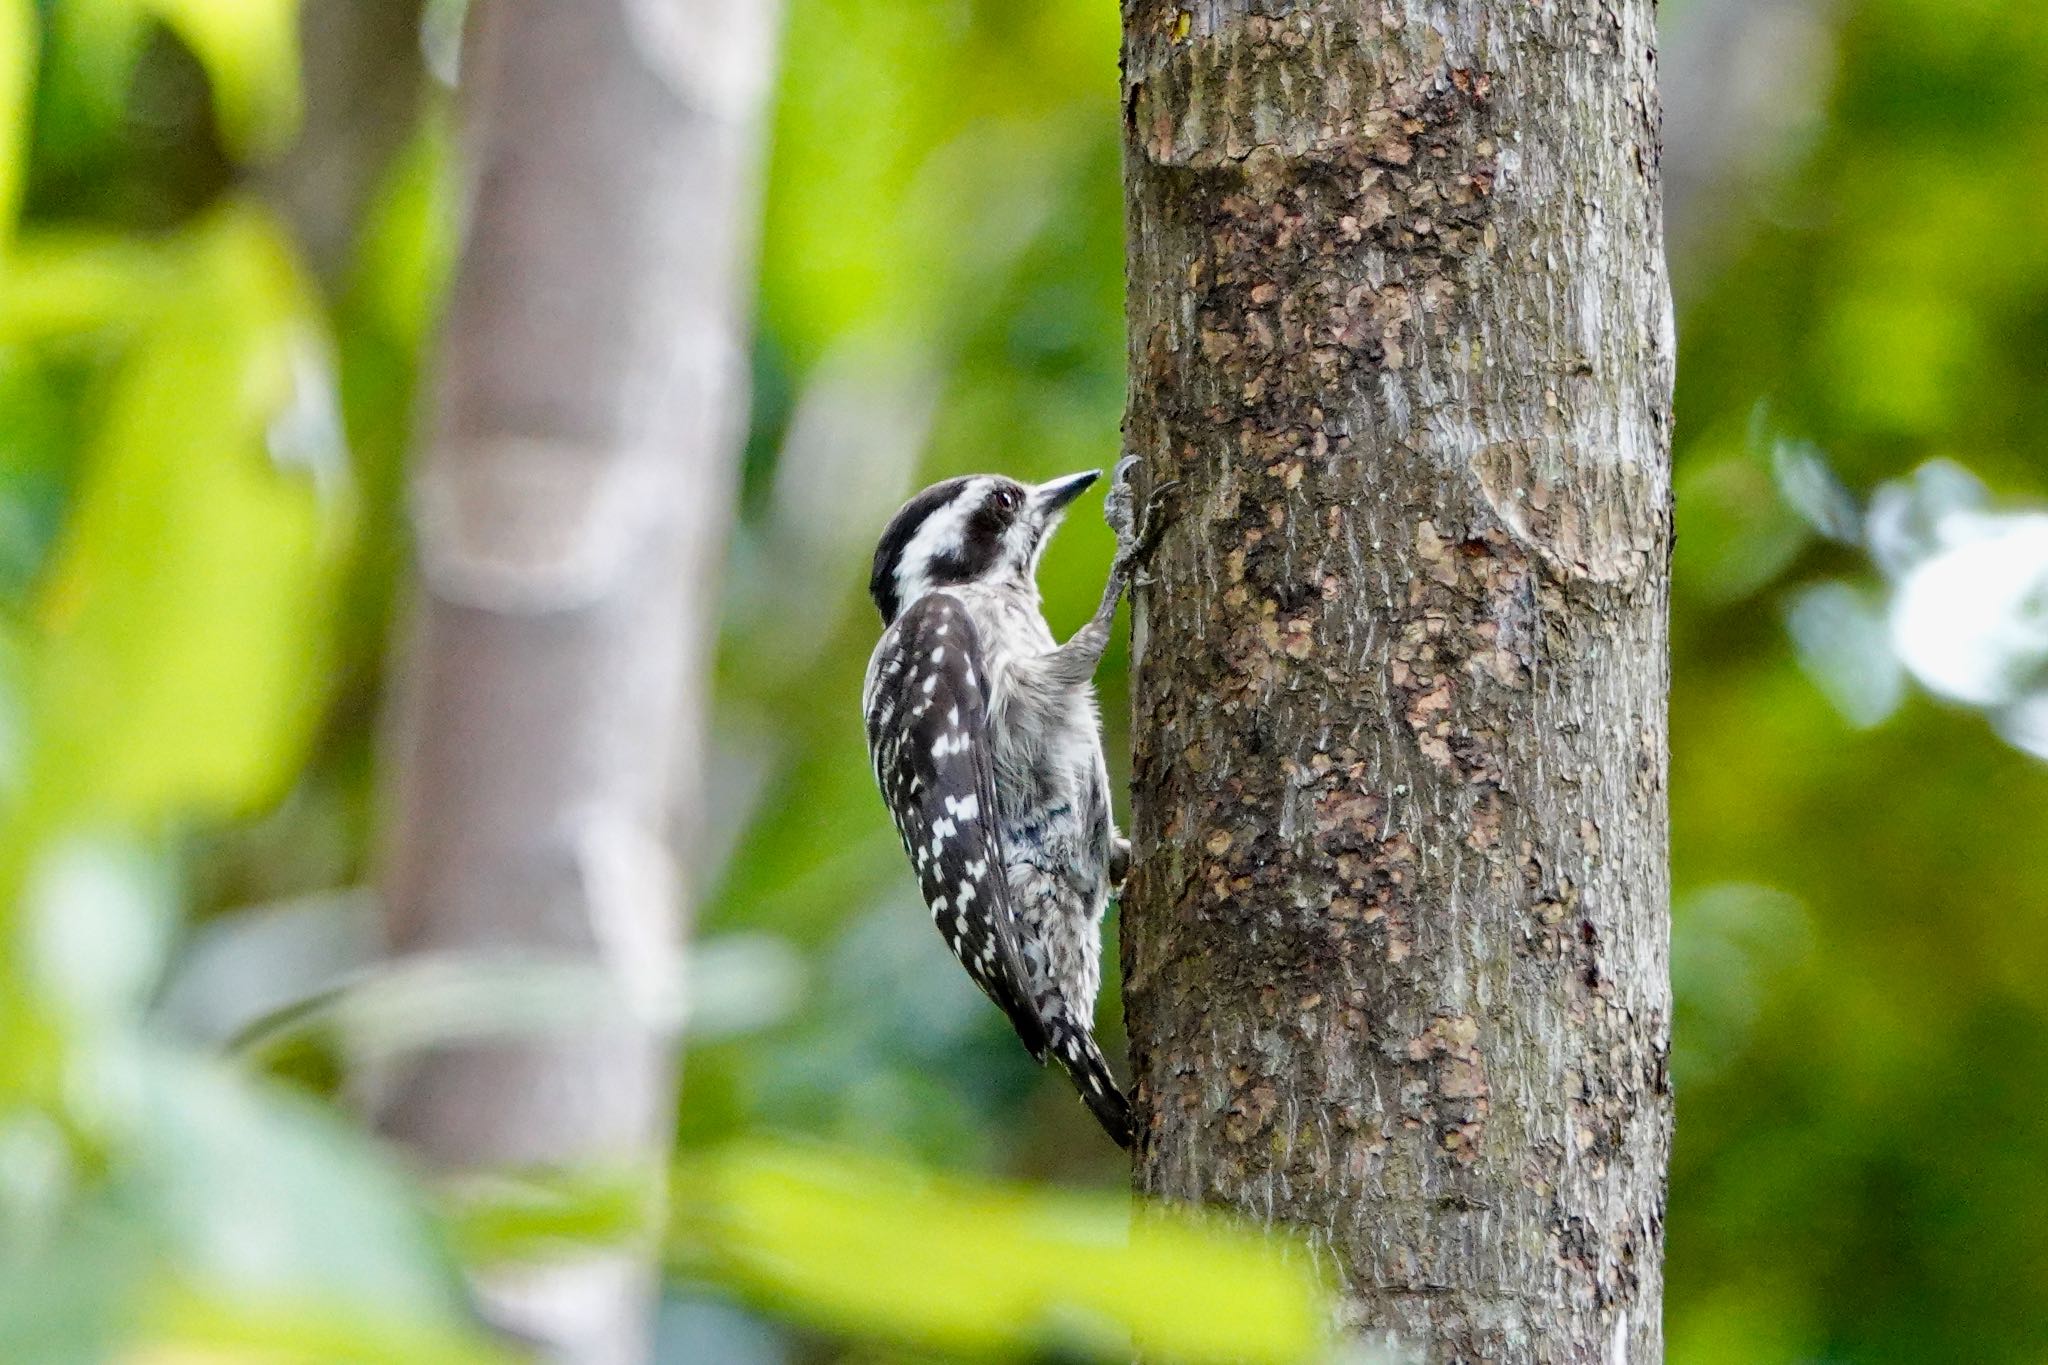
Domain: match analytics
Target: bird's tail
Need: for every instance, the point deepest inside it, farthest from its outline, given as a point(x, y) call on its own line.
point(1074, 1047)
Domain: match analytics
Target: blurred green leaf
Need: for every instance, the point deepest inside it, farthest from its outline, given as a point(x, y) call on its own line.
point(248, 52)
point(256, 1197)
point(180, 668)
point(68, 1276)
point(1844, 642)
point(1735, 533)
point(17, 82)
point(865, 1247)
point(1810, 488)
point(90, 52)
point(250, 49)
point(235, 1223)
point(58, 283)
point(429, 1000)
point(186, 1328)
point(406, 251)
point(494, 1217)
point(100, 915)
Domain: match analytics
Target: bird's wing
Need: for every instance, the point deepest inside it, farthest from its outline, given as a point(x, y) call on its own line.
point(927, 705)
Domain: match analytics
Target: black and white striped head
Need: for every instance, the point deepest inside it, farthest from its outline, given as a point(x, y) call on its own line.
point(980, 528)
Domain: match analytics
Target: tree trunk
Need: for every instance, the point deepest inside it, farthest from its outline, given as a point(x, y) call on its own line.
point(570, 513)
point(1395, 949)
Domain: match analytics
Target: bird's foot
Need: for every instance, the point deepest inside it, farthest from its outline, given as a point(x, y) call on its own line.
point(1137, 533)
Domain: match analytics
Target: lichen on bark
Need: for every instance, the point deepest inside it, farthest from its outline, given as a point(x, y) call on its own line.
point(1400, 363)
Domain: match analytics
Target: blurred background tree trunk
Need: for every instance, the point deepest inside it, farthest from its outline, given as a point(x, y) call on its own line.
point(1396, 948)
point(570, 512)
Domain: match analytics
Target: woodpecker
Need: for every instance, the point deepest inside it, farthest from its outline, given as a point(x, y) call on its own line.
point(988, 749)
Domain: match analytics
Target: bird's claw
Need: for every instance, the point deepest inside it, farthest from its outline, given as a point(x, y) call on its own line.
point(1136, 534)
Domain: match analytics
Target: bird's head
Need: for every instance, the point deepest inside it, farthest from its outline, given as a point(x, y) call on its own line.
point(982, 528)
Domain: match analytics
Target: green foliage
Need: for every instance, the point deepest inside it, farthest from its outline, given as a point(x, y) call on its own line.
point(1862, 929)
point(167, 652)
point(249, 50)
point(181, 627)
point(274, 1200)
point(505, 1217)
point(947, 1266)
point(66, 285)
point(17, 82)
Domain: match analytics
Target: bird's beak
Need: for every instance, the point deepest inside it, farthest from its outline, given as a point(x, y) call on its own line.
point(1049, 498)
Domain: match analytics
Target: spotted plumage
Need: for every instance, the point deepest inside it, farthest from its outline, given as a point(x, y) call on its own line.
point(987, 748)
point(927, 719)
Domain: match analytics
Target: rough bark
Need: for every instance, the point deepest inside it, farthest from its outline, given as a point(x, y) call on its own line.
point(570, 512)
point(1395, 949)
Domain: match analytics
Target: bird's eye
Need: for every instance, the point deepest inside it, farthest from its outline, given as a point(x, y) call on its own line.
point(1007, 498)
